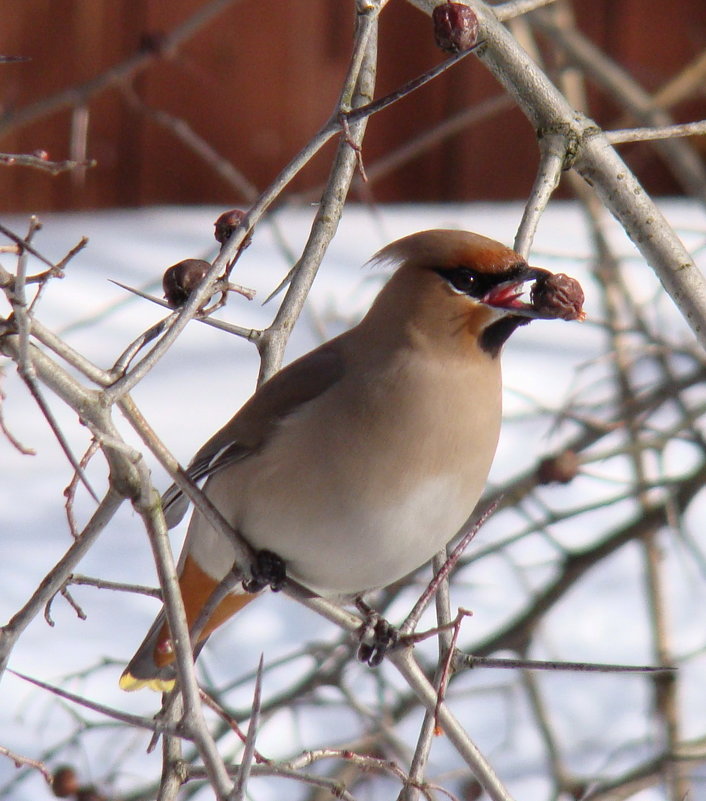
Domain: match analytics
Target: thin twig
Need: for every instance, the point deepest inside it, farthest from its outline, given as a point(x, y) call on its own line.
point(358, 89)
point(22, 761)
point(44, 164)
point(115, 586)
point(658, 132)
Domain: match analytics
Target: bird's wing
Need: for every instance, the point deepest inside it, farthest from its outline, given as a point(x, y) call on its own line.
point(301, 381)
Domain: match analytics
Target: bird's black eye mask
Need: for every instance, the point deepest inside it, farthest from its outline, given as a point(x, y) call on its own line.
point(467, 281)
point(500, 290)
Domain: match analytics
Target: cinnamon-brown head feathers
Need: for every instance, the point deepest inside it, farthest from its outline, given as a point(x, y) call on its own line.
point(449, 248)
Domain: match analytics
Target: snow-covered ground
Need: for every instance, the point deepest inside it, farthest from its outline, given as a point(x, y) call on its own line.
point(197, 386)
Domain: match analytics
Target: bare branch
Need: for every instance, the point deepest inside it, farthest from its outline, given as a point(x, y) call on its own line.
point(554, 148)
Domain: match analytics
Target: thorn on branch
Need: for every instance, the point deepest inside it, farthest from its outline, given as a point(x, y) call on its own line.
point(26, 371)
point(23, 244)
point(231, 722)
point(350, 141)
point(33, 387)
point(248, 333)
point(123, 361)
point(118, 586)
point(407, 640)
point(469, 661)
point(149, 724)
point(241, 780)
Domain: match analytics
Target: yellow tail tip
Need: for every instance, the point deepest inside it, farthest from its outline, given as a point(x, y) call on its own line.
point(129, 683)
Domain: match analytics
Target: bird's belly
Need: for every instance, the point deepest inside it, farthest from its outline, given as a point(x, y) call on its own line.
point(371, 545)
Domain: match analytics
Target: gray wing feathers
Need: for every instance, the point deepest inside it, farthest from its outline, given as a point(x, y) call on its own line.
point(175, 502)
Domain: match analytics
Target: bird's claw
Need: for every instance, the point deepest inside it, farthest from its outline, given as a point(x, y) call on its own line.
point(268, 570)
point(377, 636)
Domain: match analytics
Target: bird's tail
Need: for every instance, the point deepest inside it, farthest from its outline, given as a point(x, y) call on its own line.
point(153, 663)
point(143, 670)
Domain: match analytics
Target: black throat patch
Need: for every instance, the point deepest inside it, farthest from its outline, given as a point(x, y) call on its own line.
point(496, 334)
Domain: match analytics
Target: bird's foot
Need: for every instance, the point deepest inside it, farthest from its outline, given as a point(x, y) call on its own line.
point(376, 636)
point(268, 570)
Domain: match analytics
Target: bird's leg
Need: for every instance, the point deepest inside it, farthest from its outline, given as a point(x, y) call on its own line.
point(376, 635)
point(268, 570)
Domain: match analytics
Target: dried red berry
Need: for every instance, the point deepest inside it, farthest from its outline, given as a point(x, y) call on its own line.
point(471, 790)
point(227, 223)
point(181, 279)
point(559, 469)
point(558, 295)
point(455, 27)
point(64, 782)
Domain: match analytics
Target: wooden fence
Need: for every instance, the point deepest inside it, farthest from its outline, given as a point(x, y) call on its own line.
point(257, 78)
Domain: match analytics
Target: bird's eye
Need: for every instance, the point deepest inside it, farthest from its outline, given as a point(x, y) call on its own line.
point(461, 279)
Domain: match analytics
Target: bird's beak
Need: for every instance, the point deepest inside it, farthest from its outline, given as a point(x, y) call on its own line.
point(508, 295)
